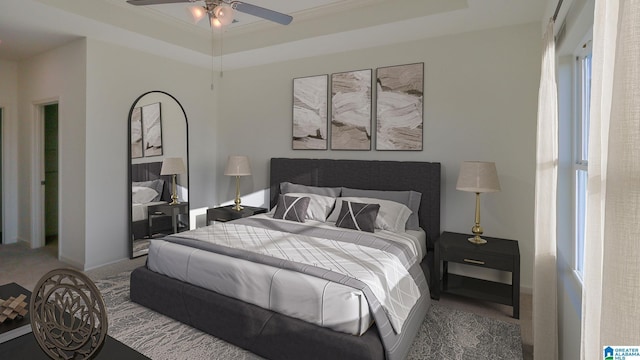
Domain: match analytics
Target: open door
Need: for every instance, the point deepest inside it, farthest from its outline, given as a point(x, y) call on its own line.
point(51, 174)
point(44, 194)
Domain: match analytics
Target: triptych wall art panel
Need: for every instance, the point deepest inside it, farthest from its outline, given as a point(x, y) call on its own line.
point(310, 112)
point(146, 131)
point(351, 110)
point(399, 109)
point(136, 133)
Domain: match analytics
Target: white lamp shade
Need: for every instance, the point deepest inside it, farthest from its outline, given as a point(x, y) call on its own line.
point(478, 176)
point(237, 165)
point(172, 166)
point(196, 13)
point(224, 14)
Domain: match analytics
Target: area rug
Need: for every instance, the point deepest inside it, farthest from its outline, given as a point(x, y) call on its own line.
point(445, 334)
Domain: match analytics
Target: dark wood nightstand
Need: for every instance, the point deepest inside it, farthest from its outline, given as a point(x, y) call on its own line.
point(498, 254)
point(169, 210)
point(226, 213)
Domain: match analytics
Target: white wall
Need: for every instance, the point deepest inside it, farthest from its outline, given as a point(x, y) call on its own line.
point(95, 84)
point(116, 76)
point(9, 104)
point(480, 104)
point(57, 75)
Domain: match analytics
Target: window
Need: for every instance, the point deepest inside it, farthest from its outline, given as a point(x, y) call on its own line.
point(581, 151)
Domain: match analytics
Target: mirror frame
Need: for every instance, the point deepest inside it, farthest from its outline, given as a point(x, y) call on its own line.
point(129, 194)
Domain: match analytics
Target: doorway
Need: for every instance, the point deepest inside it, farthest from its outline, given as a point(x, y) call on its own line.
point(51, 175)
point(1, 192)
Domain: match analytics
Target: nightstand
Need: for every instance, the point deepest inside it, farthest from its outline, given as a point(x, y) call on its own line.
point(168, 210)
point(226, 213)
point(498, 254)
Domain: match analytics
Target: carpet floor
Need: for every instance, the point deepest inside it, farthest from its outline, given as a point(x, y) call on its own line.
point(445, 334)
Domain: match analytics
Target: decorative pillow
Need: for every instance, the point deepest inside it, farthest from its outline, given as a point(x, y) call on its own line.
point(357, 216)
point(157, 185)
point(287, 187)
point(409, 198)
point(142, 195)
point(320, 206)
point(392, 215)
point(291, 208)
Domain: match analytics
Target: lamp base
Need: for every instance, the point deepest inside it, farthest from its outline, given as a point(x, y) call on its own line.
point(237, 207)
point(174, 193)
point(477, 240)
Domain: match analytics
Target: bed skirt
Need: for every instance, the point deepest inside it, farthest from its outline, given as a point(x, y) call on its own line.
point(263, 332)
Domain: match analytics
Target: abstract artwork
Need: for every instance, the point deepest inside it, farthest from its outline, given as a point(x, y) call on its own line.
point(136, 133)
point(351, 110)
point(399, 107)
point(152, 130)
point(310, 112)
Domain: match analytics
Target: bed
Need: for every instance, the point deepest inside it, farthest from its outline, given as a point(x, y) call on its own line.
point(275, 335)
point(147, 176)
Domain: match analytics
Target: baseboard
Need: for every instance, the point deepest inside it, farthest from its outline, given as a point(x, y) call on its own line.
point(74, 264)
point(105, 264)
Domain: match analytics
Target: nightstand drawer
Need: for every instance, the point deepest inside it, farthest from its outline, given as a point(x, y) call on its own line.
point(226, 213)
point(498, 262)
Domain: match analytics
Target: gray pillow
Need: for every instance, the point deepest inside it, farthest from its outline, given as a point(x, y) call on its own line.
point(409, 198)
point(291, 208)
point(157, 185)
point(357, 216)
point(287, 187)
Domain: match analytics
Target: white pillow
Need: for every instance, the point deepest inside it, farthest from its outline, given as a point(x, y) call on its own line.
point(142, 195)
point(392, 215)
point(319, 205)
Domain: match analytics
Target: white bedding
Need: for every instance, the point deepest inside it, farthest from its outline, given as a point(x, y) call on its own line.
point(139, 211)
point(315, 300)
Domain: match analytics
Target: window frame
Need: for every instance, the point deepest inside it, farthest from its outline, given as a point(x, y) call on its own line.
point(580, 144)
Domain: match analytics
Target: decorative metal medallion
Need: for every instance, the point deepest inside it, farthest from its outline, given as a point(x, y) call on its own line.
point(68, 315)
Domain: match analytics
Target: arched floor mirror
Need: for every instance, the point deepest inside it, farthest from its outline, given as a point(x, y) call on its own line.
point(158, 159)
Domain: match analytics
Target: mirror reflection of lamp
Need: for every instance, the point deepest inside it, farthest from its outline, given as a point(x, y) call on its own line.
point(173, 166)
point(237, 165)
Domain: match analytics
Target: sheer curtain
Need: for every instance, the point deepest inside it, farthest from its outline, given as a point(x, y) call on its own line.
point(545, 319)
point(611, 289)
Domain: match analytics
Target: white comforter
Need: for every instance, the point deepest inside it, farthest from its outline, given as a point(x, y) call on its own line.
point(270, 287)
point(139, 211)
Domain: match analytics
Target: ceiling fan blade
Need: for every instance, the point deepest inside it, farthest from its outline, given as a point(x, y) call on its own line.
point(155, 2)
point(258, 11)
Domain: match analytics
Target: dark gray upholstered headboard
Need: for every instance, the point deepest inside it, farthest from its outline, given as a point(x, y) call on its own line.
point(423, 177)
point(151, 171)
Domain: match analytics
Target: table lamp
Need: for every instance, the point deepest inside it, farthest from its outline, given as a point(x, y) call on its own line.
point(173, 167)
point(237, 165)
point(478, 177)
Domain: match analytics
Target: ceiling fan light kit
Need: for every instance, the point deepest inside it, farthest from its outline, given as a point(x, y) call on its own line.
point(196, 13)
point(224, 14)
point(221, 12)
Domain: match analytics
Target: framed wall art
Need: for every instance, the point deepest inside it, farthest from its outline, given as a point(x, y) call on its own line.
point(310, 109)
point(351, 110)
point(399, 110)
point(136, 133)
point(152, 129)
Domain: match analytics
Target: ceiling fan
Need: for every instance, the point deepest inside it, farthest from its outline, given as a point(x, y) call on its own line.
point(221, 12)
